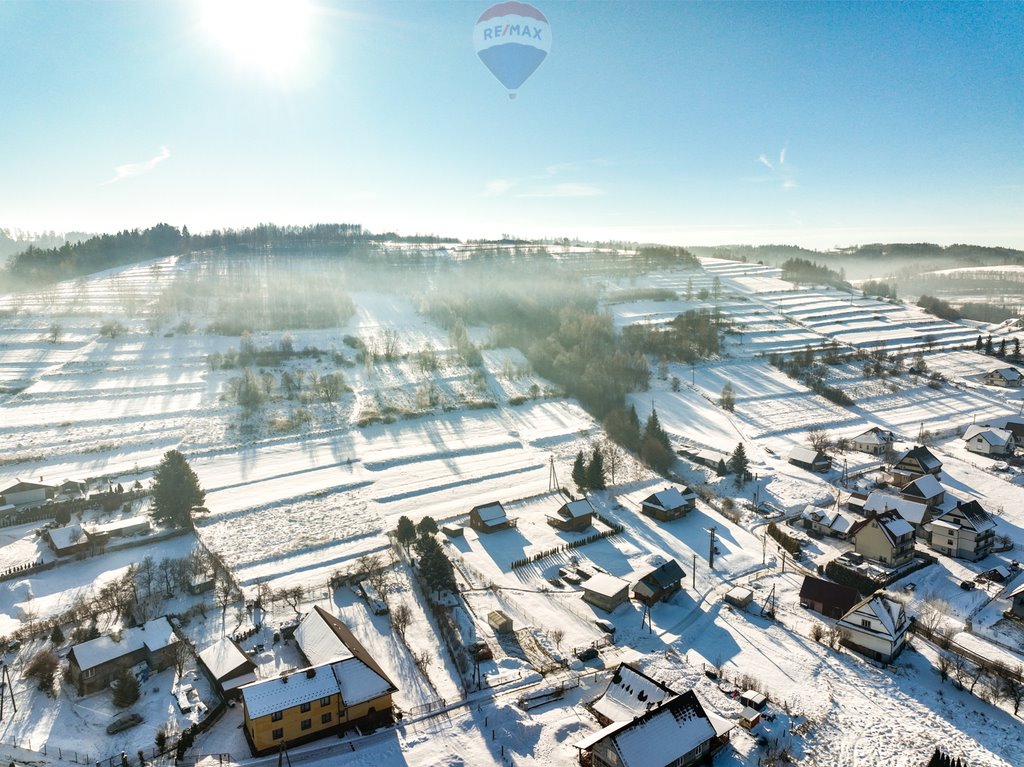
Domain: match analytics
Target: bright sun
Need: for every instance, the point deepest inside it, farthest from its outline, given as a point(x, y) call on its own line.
point(267, 35)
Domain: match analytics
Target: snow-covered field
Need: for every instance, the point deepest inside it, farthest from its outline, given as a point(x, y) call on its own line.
point(292, 504)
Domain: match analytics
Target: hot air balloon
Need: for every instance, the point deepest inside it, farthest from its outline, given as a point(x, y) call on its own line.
point(512, 39)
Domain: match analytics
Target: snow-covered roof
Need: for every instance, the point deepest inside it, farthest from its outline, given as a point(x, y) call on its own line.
point(923, 456)
point(830, 518)
point(66, 537)
point(224, 657)
point(120, 526)
point(279, 693)
point(354, 680)
point(665, 576)
point(1016, 592)
point(806, 455)
point(360, 683)
point(629, 693)
point(669, 498)
point(659, 736)
point(576, 509)
point(992, 435)
point(892, 525)
point(875, 436)
point(491, 512)
point(899, 526)
point(1009, 374)
point(973, 515)
point(154, 635)
point(21, 485)
point(912, 511)
point(318, 640)
point(888, 612)
point(605, 585)
point(926, 486)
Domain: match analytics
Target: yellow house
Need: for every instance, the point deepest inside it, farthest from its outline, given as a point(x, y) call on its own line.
point(319, 700)
point(885, 538)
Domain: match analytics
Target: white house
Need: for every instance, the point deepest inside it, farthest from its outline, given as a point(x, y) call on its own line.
point(24, 492)
point(1004, 377)
point(966, 531)
point(988, 440)
point(677, 732)
point(875, 441)
point(876, 627)
point(826, 521)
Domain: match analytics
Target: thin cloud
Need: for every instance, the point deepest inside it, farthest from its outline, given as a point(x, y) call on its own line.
point(566, 189)
point(780, 172)
point(138, 168)
point(497, 187)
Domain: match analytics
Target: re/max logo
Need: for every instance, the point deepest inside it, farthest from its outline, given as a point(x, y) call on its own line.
point(492, 33)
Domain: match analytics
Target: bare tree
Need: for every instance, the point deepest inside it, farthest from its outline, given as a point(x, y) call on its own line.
point(958, 666)
point(819, 439)
point(223, 596)
point(291, 596)
point(557, 636)
point(1011, 687)
point(945, 665)
point(401, 617)
point(182, 653)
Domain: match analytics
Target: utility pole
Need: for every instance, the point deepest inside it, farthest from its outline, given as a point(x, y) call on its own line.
point(711, 550)
point(552, 477)
point(693, 572)
point(784, 561)
point(764, 548)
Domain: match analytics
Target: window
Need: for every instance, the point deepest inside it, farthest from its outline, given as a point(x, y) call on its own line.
point(277, 734)
point(306, 724)
point(305, 707)
point(325, 718)
point(865, 623)
point(325, 701)
point(277, 716)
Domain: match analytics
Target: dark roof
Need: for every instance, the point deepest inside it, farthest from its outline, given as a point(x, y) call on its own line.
point(829, 594)
point(975, 514)
point(669, 574)
point(922, 455)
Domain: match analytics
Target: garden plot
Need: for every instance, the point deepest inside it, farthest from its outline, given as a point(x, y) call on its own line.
point(77, 726)
point(770, 404)
point(50, 592)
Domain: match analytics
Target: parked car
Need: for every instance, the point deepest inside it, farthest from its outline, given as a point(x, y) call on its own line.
point(606, 626)
point(967, 585)
point(123, 722)
point(586, 653)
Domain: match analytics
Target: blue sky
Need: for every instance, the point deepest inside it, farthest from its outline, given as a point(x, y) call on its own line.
point(819, 124)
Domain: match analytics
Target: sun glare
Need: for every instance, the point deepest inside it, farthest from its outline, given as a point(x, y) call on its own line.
point(271, 36)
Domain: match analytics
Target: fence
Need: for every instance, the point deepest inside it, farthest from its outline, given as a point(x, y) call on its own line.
point(24, 569)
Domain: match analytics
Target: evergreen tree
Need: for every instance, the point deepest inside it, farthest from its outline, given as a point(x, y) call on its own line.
point(1016, 348)
point(427, 526)
point(738, 463)
point(595, 471)
point(728, 400)
point(435, 567)
point(56, 636)
point(977, 348)
point(1002, 348)
point(653, 430)
point(406, 531)
point(126, 690)
point(988, 345)
point(721, 469)
point(579, 472)
point(175, 491)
